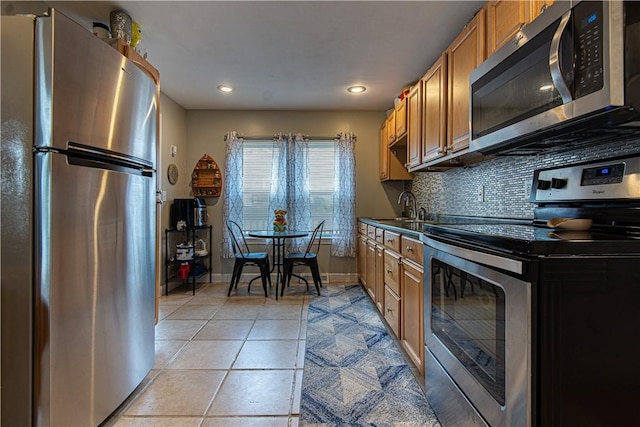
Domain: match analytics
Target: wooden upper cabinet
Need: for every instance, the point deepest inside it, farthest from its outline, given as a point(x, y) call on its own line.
point(392, 159)
point(401, 119)
point(391, 128)
point(537, 6)
point(465, 53)
point(384, 151)
point(434, 110)
point(504, 20)
point(414, 128)
point(506, 17)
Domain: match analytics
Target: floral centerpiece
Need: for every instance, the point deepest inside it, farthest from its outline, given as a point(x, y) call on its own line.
point(280, 222)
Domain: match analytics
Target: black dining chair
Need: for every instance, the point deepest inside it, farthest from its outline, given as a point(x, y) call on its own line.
point(309, 258)
point(243, 256)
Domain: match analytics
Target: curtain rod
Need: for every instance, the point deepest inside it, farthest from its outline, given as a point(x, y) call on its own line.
point(272, 137)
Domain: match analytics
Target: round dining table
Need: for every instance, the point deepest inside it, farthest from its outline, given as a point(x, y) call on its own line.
point(278, 239)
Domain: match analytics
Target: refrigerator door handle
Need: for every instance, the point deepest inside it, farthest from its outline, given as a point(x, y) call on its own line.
point(85, 155)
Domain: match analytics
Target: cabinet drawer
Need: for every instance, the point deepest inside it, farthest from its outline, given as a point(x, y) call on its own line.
point(392, 310)
point(392, 240)
point(362, 228)
point(379, 232)
point(392, 271)
point(412, 249)
point(371, 231)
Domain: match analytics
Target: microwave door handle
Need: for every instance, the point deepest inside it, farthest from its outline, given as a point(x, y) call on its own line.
point(554, 61)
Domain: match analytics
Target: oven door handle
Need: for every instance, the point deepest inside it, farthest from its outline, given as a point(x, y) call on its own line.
point(507, 264)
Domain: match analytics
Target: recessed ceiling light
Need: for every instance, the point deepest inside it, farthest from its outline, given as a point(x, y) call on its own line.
point(225, 88)
point(356, 89)
point(546, 88)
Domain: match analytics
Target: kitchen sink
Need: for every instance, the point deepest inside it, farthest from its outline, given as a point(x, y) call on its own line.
point(406, 223)
point(403, 219)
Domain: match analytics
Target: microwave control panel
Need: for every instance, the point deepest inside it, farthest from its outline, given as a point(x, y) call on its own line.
point(588, 44)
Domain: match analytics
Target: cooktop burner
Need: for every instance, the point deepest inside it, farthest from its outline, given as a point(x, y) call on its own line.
point(605, 192)
point(532, 239)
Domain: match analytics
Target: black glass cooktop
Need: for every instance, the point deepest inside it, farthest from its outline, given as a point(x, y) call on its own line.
point(530, 239)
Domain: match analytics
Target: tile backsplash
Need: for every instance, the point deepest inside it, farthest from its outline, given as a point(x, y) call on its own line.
point(499, 187)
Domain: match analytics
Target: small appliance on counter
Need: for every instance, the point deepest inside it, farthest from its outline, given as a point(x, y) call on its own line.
point(184, 251)
point(192, 211)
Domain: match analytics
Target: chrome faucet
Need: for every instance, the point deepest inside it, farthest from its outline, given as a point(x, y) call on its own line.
point(422, 214)
point(408, 195)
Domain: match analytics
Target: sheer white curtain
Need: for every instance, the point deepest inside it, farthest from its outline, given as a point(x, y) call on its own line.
point(290, 184)
point(290, 189)
point(232, 190)
point(343, 242)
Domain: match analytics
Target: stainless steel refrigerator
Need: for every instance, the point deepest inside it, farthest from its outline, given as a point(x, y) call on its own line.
point(78, 224)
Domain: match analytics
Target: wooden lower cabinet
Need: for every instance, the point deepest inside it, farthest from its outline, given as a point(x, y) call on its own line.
point(371, 263)
point(392, 310)
point(362, 259)
point(370, 274)
point(390, 269)
point(378, 281)
point(412, 313)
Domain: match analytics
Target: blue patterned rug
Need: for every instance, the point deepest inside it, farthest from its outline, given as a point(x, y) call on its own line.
point(354, 374)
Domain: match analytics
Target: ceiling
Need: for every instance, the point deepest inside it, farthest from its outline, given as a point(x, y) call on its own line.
point(286, 55)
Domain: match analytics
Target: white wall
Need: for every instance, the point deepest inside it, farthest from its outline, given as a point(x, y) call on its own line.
point(173, 131)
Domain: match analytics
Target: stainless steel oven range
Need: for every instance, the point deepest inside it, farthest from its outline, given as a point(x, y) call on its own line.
point(527, 325)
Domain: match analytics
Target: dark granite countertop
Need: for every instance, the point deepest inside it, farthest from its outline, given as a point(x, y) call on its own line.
point(412, 228)
point(415, 227)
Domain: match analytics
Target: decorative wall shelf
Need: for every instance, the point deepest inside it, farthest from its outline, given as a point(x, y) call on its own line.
point(206, 179)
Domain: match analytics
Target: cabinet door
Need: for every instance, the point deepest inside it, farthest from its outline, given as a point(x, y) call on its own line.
point(464, 55)
point(384, 152)
point(379, 279)
point(412, 315)
point(362, 259)
point(391, 128)
point(392, 159)
point(371, 268)
point(414, 134)
point(504, 20)
point(536, 8)
point(434, 110)
point(392, 310)
point(401, 119)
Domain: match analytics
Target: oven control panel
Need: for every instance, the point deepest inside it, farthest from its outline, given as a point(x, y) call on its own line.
point(614, 179)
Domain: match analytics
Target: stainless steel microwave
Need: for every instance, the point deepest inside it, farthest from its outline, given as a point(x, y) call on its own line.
point(568, 79)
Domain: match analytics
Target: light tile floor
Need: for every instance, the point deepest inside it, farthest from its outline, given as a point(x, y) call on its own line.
point(221, 361)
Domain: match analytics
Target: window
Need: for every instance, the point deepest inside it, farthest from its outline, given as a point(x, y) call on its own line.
point(256, 182)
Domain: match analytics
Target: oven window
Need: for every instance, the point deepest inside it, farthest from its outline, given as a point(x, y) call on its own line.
point(468, 317)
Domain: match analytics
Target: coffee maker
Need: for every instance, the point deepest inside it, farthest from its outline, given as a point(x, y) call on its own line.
point(192, 211)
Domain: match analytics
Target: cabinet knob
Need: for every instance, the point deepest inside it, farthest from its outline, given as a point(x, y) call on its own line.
point(389, 272)
point(518, 38)
point(389, 310)
point(409, 249)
